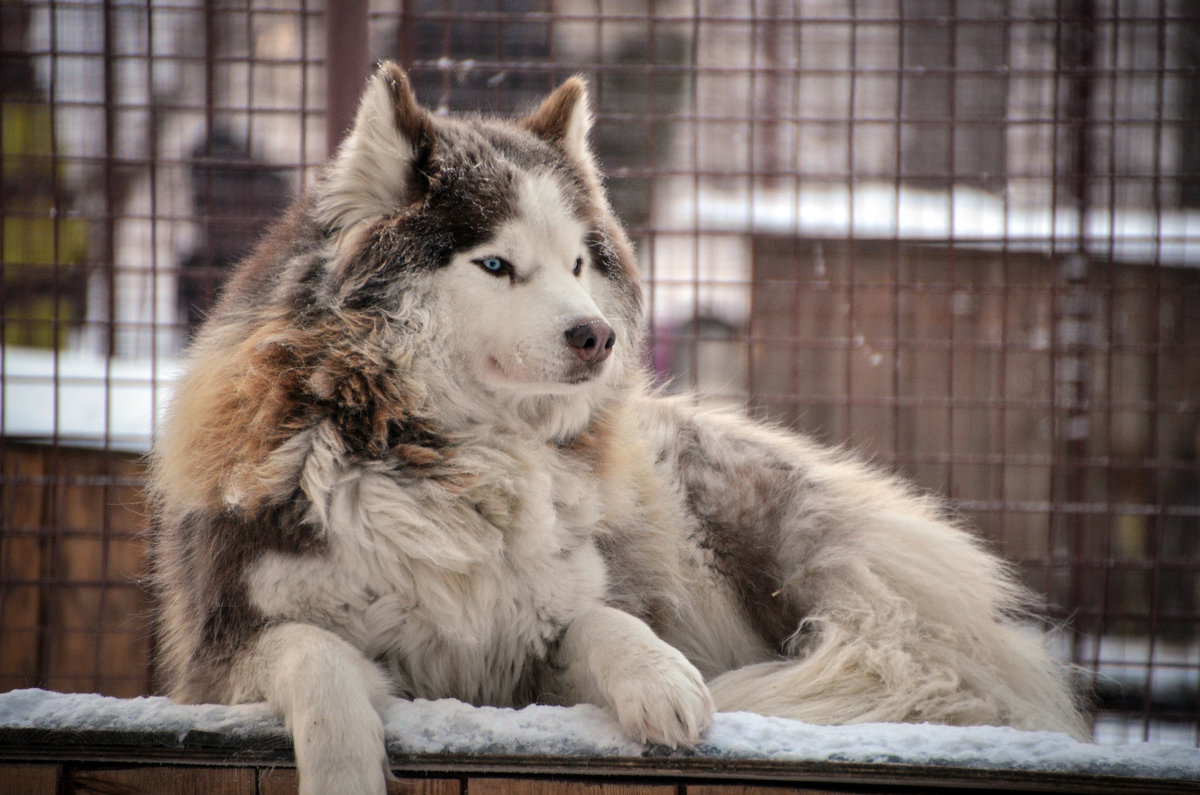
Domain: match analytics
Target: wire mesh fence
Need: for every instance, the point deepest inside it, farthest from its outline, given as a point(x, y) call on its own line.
point(963, 237)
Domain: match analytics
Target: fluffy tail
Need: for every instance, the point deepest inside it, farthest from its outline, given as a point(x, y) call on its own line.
point(876, 656)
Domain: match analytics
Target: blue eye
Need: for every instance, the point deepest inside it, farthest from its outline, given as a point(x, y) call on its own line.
point(497, 266)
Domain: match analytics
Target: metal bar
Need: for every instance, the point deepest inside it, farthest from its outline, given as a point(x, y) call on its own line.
point(1155, 540)
point(347, 64)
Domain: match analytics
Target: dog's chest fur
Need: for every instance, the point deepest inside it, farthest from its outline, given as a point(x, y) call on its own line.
point(459, 597)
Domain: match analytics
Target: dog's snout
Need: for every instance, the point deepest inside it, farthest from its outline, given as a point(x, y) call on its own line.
point(592, 340)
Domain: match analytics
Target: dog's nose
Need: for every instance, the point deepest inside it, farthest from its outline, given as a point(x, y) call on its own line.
point(592, 340)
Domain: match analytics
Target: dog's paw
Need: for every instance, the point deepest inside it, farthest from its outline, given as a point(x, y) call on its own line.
point(611, 658)
point(660, 698)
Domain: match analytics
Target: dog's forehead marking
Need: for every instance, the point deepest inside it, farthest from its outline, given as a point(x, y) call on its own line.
point(550, 227)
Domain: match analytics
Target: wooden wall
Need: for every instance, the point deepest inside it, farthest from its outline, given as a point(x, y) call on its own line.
point(73, 616)
point(1059, 409)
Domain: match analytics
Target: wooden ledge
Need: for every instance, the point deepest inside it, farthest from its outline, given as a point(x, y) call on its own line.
point(61, 761)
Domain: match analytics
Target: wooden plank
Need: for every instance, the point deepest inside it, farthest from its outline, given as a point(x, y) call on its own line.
point(103, 757)
point(517, 786)
point(158, 779)
point(71, 615)
point(284, 781)
point(22, 501)
point(29, 779)
point(277, 781)
point(425, 786)
point(742, 789)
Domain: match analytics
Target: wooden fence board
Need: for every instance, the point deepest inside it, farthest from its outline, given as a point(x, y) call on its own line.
point(32, 779)
point(509, 786)
point(742, 789)
point(160, 780)
point(72, 549)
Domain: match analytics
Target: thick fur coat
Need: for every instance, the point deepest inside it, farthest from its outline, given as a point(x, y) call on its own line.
point(415, 455)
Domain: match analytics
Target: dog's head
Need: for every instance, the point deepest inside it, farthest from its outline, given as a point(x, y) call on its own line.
point(504, 227)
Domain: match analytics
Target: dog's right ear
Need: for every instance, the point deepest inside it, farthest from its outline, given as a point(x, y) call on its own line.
point(565, 118)
point(375, 165)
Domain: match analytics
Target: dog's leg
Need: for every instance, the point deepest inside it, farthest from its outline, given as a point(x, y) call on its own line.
point(329, 695)
point(613, 659)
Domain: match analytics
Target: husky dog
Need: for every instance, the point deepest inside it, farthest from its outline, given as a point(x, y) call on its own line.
point(415, 454)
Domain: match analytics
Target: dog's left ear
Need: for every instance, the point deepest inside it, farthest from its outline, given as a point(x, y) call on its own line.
point(564, 119)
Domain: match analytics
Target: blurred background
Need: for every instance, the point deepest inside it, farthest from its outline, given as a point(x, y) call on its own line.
point(963, 237)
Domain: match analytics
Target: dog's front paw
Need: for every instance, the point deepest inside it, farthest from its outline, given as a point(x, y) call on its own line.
point(660, 697)
point(608, 657)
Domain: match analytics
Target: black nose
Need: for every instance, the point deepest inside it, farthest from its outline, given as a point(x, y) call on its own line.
point(592, 340)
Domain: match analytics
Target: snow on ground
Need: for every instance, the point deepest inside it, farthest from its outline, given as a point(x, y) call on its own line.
point(437, 727)
point(965, 216)
point(79, 399)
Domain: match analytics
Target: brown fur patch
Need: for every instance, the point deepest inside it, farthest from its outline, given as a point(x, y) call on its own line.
point(237, 410)
point(229, 414)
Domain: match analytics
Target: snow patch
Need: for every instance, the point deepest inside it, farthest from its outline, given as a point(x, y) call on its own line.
point(83, 400)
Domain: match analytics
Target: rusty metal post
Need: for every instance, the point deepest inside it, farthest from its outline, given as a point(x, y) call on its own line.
point(347, 64)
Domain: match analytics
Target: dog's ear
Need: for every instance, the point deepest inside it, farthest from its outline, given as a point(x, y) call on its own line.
point(564, 118)
point(375, 166)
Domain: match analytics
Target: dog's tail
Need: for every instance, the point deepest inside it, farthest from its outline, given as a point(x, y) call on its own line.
point(886, 662)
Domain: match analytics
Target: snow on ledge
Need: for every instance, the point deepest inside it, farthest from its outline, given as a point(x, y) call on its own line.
point(452, 727)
